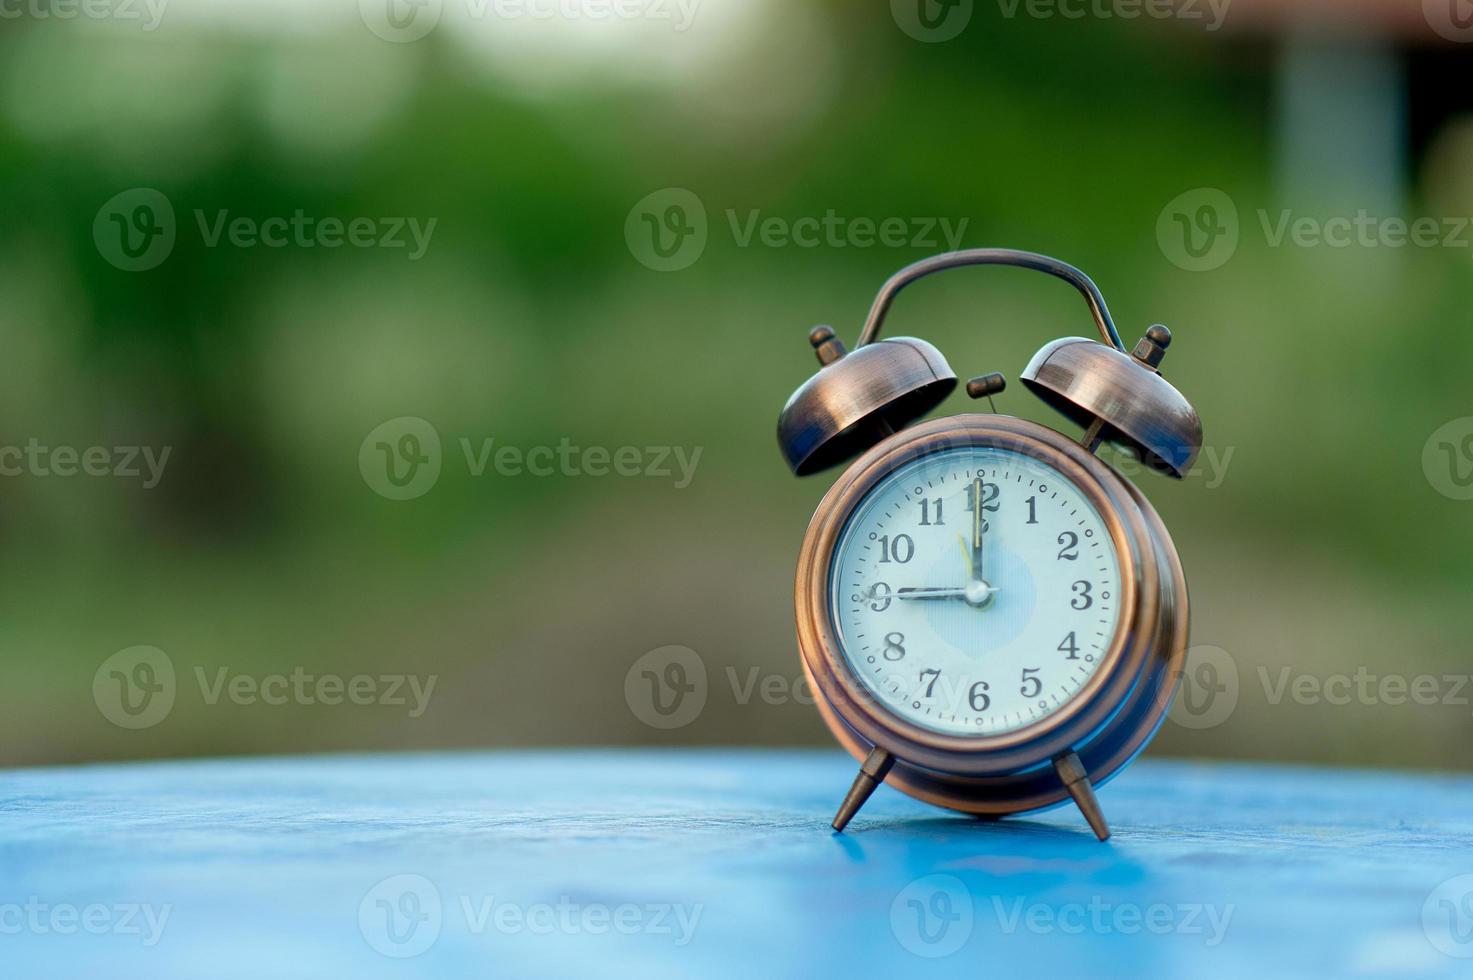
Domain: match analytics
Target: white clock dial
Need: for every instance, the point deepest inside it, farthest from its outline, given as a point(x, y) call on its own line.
point(967, 621)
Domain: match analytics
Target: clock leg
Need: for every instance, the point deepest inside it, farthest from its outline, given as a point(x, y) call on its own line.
point(871, 775)
point(1076, 781)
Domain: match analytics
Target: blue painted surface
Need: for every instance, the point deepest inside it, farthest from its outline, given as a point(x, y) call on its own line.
point(718, 863)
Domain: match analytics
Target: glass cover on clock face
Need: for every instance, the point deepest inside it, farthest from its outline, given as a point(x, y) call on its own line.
point(971, 620)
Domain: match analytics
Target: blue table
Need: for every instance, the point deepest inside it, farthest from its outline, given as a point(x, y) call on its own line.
point(718, 863)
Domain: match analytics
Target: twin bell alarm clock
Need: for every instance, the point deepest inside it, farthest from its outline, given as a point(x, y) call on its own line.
point(993, 618)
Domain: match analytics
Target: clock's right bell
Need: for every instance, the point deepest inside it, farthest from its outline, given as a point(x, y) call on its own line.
point(1089, 381)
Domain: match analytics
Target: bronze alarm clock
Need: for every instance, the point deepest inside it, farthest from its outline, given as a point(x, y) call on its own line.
point(993, 618)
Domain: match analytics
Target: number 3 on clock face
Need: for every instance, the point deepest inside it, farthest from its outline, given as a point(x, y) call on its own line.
point(975, 591)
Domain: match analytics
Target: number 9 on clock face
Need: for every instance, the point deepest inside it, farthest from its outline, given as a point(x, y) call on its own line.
point(975, 591)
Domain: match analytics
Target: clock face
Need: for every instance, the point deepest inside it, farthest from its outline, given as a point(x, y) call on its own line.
point(975, 620)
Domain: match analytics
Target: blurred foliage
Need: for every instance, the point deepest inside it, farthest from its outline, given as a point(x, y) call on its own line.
point(528, 321)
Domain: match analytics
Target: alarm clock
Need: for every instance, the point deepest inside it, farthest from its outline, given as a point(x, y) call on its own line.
point(993, 618)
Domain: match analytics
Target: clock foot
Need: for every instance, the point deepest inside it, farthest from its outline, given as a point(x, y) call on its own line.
point(1076, 781)
point(871, 774)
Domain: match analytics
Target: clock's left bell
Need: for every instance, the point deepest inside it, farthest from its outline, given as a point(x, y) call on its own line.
point(857, 399)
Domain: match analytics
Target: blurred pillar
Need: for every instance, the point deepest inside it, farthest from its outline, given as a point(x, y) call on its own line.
point(1341, 122)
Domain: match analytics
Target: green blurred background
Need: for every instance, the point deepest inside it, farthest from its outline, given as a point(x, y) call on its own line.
point(1321, 373)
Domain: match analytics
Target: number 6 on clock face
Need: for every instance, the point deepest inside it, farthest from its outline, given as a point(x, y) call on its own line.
point(974, 591)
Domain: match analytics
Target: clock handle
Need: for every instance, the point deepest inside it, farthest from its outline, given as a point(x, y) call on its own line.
point(991, 256)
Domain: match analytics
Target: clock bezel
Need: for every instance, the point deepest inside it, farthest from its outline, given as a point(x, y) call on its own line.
point(1122, 665)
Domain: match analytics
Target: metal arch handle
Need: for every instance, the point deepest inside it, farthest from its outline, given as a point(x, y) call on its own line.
point(991, 256)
